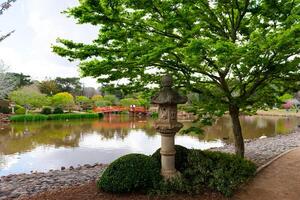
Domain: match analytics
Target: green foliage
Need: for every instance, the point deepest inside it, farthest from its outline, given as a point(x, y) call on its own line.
point(129, 101)
point(5, 110)
point(49, 87)
point(84, 102)
point(40, 117)
point(30, 97)
point(28, 118)
point(133, 172)
point(111, 98)
point(217, 171)
point(103, 103)
point(73, 116)
point(21, 79)
point(181, 157)
point(285, 97)
point(58, 110)
point(154, 115)
point(70, 85)
point(234, 54)
point(20, 111)
point(63, 100)
point(96, 98)
point(46, 110)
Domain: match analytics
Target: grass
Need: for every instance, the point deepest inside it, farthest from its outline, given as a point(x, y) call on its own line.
point(41, 117)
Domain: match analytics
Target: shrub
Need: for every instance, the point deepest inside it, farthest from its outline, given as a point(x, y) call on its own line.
point(181, 157)
point(217, 171)
point(5, 110)
point(133, 172)
point(46, 110)
point(20, 111)
point(154, 115)
point(58, 110)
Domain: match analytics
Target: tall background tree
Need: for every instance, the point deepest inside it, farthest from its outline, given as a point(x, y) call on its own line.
point(231, 52)
point(71, 85)
point(4, 6)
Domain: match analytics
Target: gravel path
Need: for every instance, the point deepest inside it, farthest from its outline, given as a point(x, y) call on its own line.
point(259, 151)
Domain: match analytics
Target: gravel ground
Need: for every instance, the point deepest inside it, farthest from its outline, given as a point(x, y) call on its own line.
point(21, 185)
point(259, 151)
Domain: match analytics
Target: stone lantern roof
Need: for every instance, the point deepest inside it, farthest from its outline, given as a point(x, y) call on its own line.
point(167, 95)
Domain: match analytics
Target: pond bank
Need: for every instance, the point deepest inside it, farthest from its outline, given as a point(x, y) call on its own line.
point(259, 151)
point(280, 113)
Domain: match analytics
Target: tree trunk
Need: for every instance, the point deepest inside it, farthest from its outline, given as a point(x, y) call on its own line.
point(237, 130)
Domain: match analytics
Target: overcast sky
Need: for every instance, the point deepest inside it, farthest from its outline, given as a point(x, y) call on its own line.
point(38, 23)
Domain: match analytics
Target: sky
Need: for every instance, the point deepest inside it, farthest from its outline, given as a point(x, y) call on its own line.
point(37, 25)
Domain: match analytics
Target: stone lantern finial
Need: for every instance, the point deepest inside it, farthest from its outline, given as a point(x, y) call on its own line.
point(167, 124)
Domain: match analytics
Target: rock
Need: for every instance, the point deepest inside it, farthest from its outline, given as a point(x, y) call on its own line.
point(62, 168)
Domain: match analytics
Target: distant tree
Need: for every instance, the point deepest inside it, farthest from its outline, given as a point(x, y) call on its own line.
point(71, 85)
point(7, 82)
point(49, 87)
point(129, 101)
point(4, 6)
point(111, 89)
point(84, 102)
point(29, 97)
point(111, 98)
point(96, 98)
point(89, 92)
point(232, 53)
point(63, 100)
point(21, 79)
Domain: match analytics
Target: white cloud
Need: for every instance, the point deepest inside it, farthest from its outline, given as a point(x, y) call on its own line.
point(38, 24)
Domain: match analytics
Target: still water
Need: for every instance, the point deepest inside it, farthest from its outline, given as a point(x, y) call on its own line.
point(42, 146)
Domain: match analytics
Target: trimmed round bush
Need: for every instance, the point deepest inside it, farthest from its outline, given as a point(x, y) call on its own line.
point(181, 157)
point(46, 110)
point(20, 111)
point(58, 110)
point(133, 172)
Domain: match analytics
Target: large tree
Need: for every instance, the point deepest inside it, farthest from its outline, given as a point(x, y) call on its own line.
point(231, 52)
point(71, 85)
point(4, 6)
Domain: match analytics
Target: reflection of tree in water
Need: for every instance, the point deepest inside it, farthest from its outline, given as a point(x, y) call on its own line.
point(252, 126)
point(20, 137)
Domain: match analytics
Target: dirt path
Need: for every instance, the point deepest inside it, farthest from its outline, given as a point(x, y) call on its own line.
point(279, 181)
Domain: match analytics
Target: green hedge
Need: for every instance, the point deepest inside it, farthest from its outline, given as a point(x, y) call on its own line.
point(29, 117)
point(202, 171)
point(133, 172)
point(40, 117)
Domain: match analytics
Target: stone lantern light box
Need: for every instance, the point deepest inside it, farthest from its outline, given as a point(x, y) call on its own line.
point(167, 124)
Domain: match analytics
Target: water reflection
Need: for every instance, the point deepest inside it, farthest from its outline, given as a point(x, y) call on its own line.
point(48, 145)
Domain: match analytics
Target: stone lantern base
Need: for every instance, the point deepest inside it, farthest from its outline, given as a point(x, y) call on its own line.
point(168, 156)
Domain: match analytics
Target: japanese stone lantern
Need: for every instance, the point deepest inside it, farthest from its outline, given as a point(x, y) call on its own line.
point(167, 124)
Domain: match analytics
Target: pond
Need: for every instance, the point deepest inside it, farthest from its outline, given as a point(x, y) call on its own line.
point(42, 146)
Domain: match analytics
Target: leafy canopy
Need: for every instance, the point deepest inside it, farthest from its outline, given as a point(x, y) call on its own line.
point(232, 52)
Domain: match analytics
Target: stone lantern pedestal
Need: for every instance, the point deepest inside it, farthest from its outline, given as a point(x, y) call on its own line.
point(167, 124)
